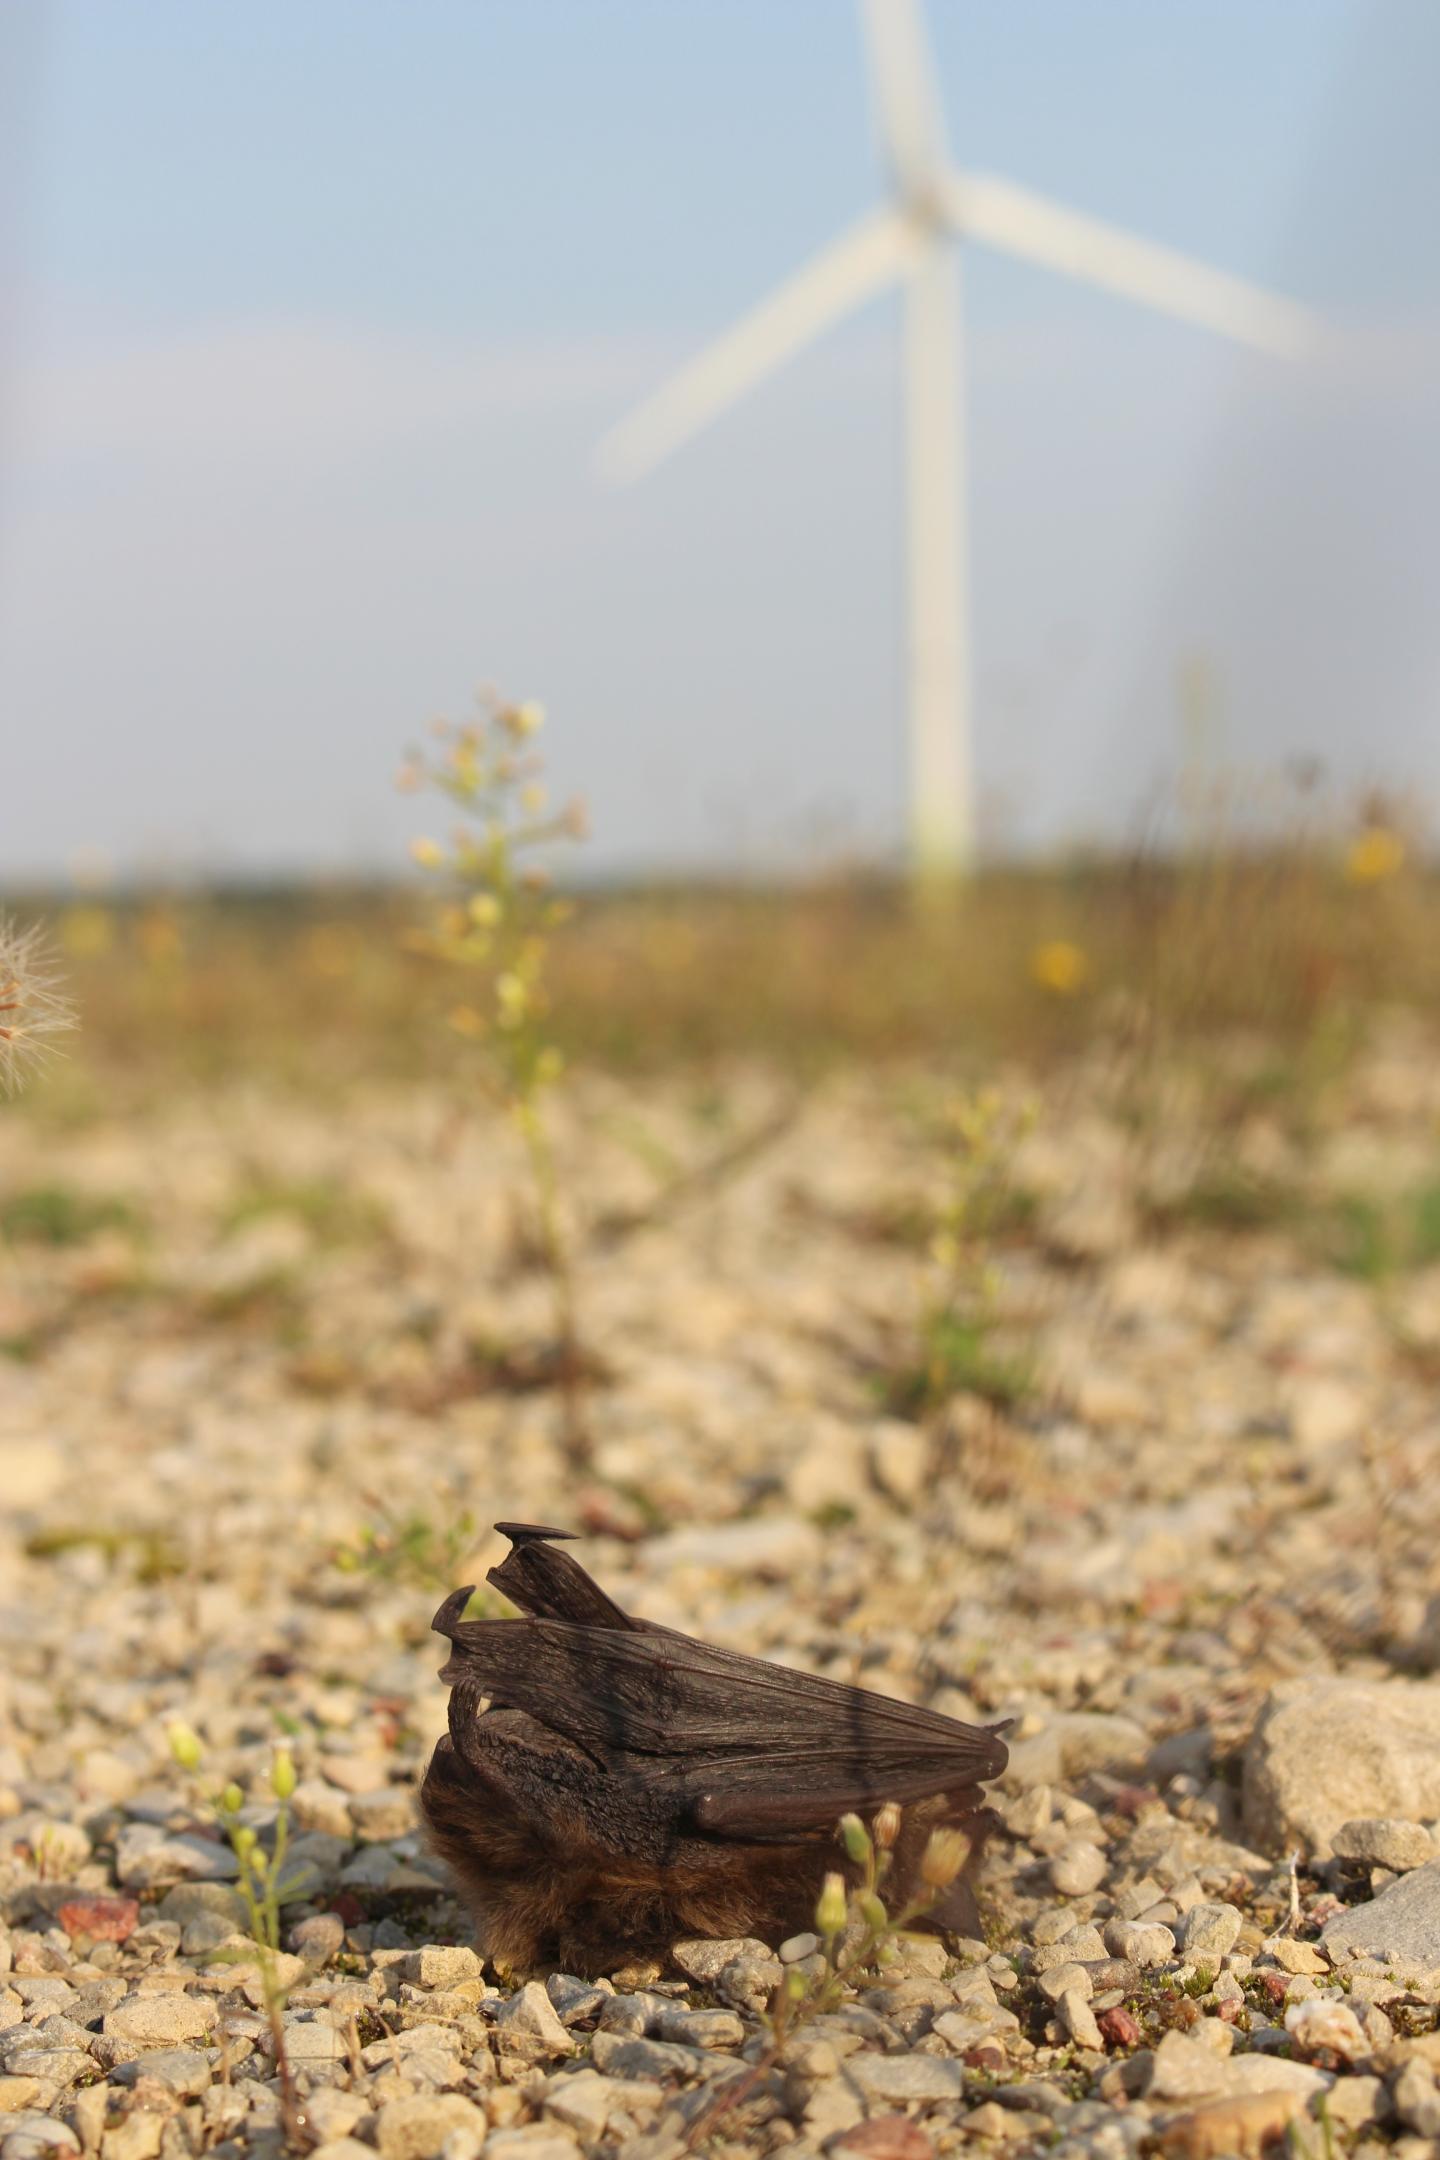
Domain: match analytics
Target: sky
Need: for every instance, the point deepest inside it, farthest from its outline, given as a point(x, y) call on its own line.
point(311, 317)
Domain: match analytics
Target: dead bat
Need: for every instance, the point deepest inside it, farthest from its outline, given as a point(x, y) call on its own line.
point(609, 1787)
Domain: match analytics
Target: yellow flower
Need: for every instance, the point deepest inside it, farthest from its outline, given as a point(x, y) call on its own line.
point(1060, 967)
point(484, 909)
point(1373, 855)
point(428, 853)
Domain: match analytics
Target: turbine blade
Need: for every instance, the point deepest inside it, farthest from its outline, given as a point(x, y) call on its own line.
point(902, 78)
point(1010, 218)
point(850, 270)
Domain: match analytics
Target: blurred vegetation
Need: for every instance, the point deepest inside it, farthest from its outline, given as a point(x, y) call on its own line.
point(315, 987)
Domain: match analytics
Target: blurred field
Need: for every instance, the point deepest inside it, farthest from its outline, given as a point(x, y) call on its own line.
point(1298, 945)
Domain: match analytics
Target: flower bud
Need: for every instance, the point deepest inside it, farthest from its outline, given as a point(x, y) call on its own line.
point(185, 1745)
point(282, 1774)
point(232, 1799)
point(832, 1907)
point(886, 1826)
point(855, 1838)
point(872, 1912)
point(943, 1857)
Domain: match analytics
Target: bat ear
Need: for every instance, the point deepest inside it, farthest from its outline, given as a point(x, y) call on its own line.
point(452, 1612)
point(529, 1533)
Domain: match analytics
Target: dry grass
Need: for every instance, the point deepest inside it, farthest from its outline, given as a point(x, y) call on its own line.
point(313, 987)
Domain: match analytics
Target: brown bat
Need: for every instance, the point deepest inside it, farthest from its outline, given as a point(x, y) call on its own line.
point(609, 1787)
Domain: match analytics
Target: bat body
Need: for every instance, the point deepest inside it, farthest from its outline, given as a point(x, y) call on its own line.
point(608, 1786)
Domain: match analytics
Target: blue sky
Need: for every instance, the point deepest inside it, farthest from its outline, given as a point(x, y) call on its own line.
point(314, 313)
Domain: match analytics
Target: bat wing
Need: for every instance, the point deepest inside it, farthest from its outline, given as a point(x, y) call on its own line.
point(746, 1749)
point(549, 1584)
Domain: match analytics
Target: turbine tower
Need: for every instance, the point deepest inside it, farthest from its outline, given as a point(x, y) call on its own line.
point(910, 241)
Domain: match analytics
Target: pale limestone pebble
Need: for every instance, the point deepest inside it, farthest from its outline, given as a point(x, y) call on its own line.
point(630, 2056)
point(1293, 1956)
point(1145, 1944)
point(333, 2112)
point(797, 1948)
point(1082, 1946)
point(1212, 1928)
point(341, 2148)
point(315, 1805)
point(576, 2000)
point(383, 1815)
point(186, 2071)
point(1386, 1843)
point(1058, 1980)
point(148, 1857)
point(1402, 1922)
point(440, 1965)
point(418, 2127)
point(584, 2100)
point(535, 2141)
point(34, 2134)
point(1078, 1868)
point(742, 1971)
point(1326, 1752)
point(1323, 2024)
point(1415, 2095)
point(1078, 2018)
point(1071, 1744)
point(698, 2028)
point(901, 2078)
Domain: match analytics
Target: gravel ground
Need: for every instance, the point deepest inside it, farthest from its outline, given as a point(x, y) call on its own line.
point(249, 1405)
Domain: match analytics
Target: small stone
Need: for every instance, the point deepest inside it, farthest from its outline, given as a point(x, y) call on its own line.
point(1417, 2099)
point(1386, 1842)
point(1324, 2026)
point(584, 2101)
point(741, 1971)
point(184, 2070)
point(314, 1805)
point(900, 2078)
point(103, 1919)
point(1142, 1944)
point(530, 2015)
point(417, 2128)
point(1078, 1868)
point(1326, 1752)
point(1354, 2103)
point(699, 2028)
point(575, 2000)
point(441, 1965)
point(1296, 1957)
point(534, 2142)
point(389, 1813)
point(48, 2133)
point(656, 2060)
point(1403, 1922)
point(318, 1938)
point(1078, 2019)
point(149, 1858)
point(797, 1947)
point(135, 2137)
point(1118, 2027)
point(1213, 1928)
point(1060, 1980)
point(884, 2137)
point(1247, 2124)
point(159, 2021)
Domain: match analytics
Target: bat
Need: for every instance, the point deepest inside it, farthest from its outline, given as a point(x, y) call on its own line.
point(608, 1787)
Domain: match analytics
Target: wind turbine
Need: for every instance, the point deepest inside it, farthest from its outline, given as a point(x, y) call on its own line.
point(910, 241)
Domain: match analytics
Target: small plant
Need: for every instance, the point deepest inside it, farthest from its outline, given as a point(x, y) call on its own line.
point(411, 1549)
point(265, 1889)
point(978, 1201)
point(858, 1935)
point(33, 1008)
point(496, 919)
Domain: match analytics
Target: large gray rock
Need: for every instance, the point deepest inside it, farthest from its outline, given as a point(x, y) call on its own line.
point(1402, 1923)
point(1326, 1752)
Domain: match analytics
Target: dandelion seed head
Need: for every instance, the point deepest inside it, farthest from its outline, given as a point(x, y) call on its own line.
point(33, 1007)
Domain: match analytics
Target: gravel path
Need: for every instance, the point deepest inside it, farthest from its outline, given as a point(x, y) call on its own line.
point(243, 1419)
